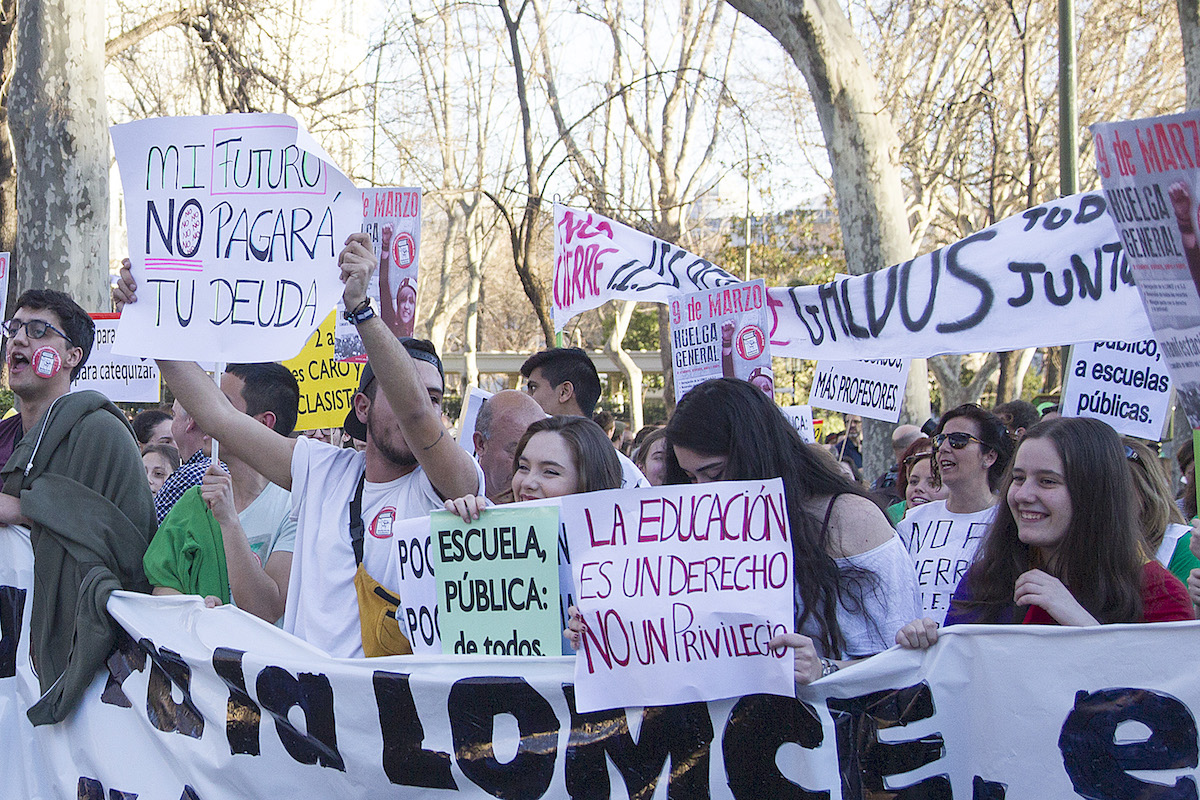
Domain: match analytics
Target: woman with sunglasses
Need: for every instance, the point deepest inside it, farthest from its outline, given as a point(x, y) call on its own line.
point(971, 451)
point(1066, 547)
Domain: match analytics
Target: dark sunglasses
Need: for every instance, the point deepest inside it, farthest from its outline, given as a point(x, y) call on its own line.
point(958, 440)
point(915, 457)
point(34, 329)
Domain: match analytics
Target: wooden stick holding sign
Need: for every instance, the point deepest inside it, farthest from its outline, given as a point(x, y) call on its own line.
point(216, 446)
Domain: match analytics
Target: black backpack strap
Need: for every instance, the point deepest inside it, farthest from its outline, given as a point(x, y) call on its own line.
point(356, 522)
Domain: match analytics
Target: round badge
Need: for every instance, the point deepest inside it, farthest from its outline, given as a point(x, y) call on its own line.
point(751, 342)
point(404, 249)
point(46, 362)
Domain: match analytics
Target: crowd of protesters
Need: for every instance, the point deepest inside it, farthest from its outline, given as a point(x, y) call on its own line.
point(998, 516)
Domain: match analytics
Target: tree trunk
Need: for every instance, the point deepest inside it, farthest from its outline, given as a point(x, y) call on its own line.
point(8, 167)
point(58, 120)
point(448, 301)
point(948, 372)
point(475, 258)
point(616, 350)
point(861, 141)
point(1007, 387)
point(1189, 24)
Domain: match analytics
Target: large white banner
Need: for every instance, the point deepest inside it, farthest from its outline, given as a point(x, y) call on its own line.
point(235, 223)
point(1052, 275)
point(213, 704)
point(597, 259)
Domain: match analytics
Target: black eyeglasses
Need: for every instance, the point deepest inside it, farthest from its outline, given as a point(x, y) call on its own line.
point(958, 440)
point(915, 457)
point(34, 328)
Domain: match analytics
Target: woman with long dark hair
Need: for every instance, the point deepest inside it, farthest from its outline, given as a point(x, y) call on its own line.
point(1066, 546)
point(854, 581)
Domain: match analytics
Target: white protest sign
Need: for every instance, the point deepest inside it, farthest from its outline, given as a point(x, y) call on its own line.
point(216, 704)
point(392, 218)
point(1125, 384)
point(1051, 275)
point(468, 415)
point(1150, 176)
point(721, 333)
point(801, 418)
point(597, 259)
point(680, 589)
point(872, 389)
point(235, 224)
point(122, 379)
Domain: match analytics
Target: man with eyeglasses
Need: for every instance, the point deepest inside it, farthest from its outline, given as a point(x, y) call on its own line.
point(75, 479)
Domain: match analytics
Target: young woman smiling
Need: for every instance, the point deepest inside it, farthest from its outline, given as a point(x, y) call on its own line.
point(1066, 547)
point(555, 457)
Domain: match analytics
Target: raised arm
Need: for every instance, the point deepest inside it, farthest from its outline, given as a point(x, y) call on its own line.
point(450, 469)
point(245, 437)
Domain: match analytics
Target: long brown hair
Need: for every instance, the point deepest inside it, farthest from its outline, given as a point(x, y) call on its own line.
point(596, 464)
point(1156, 506)
point(732, 418)
point(1101, 555)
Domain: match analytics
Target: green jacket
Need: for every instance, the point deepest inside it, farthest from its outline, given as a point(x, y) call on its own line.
point(83, 488)
point(188, 553)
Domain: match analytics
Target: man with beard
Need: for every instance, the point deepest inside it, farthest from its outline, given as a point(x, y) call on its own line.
point(409, 466)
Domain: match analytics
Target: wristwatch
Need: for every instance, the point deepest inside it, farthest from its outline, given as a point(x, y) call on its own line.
point(360, 313)
point(828, 667)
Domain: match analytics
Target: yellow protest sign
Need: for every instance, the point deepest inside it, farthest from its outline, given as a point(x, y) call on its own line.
point(327, 385)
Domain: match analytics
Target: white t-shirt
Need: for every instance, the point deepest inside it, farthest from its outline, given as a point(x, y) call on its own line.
point(942, 545)
point(631, 476)
point(322, 607)
point(268, 523)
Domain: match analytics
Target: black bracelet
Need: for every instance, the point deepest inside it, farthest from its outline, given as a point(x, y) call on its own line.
point(360, 313)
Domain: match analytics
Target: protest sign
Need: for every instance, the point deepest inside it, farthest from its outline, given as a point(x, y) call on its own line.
point(1051, 275)
point(597, 259)
point(801, 418)
point(235, 224)
point(496, 575)
point(1122, 383)
point(216, 704)
point(1149, 172)
point(872, 389)
point(680, 589)
point(413, 571)
point(470, 412)
point(122, 379)
point(392, 218)
point(721, 333)
point(327, 384)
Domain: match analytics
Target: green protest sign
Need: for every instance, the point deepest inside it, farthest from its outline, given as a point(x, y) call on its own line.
point(497, 581)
